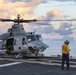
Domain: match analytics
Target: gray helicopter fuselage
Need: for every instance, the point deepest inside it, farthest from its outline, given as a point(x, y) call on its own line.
point(16, 40)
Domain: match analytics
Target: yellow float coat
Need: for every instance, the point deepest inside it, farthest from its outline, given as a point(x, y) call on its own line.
point(65, 49)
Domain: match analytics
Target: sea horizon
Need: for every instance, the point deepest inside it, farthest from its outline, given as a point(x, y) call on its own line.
point(55, 48)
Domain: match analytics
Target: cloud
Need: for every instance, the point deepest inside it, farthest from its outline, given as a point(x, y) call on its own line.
point(67, 38)
point(64, 0)
point(52, 13)
point(58, 37)
point(18, 7)
point(63, 16)
point(43, 1)
point(21, 0)
point(48, 29)
point(51, 36)
point(4, 1)
point(73, 36)
point(10, 10)
point(65, 29)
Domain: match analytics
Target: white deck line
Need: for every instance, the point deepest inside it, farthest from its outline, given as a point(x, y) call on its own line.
point(9, 64)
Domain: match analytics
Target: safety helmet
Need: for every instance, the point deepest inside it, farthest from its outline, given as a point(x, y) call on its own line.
point(66, 41)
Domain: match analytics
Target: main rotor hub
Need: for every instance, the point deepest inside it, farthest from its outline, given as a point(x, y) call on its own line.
point(18, 20)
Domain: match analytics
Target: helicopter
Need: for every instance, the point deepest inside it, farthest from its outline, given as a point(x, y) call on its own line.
point(19, 42)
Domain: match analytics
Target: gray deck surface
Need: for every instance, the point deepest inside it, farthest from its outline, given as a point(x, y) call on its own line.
point(34, 68)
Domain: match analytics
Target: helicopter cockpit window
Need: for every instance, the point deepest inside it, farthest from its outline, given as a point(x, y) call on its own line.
point(31, 38)
point(22, 29)
point(23, 41)
point(14, 41)
point(15, 27)
point(38, 37)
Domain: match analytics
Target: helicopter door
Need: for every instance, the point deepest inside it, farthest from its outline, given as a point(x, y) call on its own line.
point(9, 44)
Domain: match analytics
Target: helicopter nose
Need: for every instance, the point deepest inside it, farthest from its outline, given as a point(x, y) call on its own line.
point(41, 47)
point(37, 47)
point(46, 45)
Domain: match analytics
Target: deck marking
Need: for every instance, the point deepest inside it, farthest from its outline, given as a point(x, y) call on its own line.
point(9, 64)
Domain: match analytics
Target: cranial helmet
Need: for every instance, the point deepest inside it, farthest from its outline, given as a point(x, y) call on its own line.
point(66, 41)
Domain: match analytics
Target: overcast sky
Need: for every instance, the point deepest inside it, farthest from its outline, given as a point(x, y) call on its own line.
point(42, 10)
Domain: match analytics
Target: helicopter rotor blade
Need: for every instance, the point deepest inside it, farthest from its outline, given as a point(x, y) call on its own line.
point(17, 21)
point(43, 22)
point(28, 21)
point(59, 20)
point(40, 23)
point(34, 21)
point(4, 20)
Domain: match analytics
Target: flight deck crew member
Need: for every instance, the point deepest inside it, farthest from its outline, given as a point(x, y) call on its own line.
point(65, 54)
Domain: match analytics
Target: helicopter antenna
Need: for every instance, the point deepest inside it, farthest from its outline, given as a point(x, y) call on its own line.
point(34, 31)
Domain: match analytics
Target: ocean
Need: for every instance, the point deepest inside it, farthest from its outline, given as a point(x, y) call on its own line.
point(55, 48)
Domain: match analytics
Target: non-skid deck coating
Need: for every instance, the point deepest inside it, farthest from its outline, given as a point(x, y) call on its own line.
point(33, 67)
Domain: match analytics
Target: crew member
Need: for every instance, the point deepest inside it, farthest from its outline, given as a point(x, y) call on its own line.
point(65, 54)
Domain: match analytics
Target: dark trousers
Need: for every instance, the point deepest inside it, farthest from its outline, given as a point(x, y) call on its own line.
point(65, 57)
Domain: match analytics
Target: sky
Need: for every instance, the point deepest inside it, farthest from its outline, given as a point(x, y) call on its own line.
point(42, 10)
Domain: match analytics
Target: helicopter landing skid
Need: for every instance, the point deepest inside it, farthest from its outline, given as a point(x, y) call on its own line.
point(20, 55)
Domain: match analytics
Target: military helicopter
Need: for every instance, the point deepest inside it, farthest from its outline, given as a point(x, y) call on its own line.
point(17, 41)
